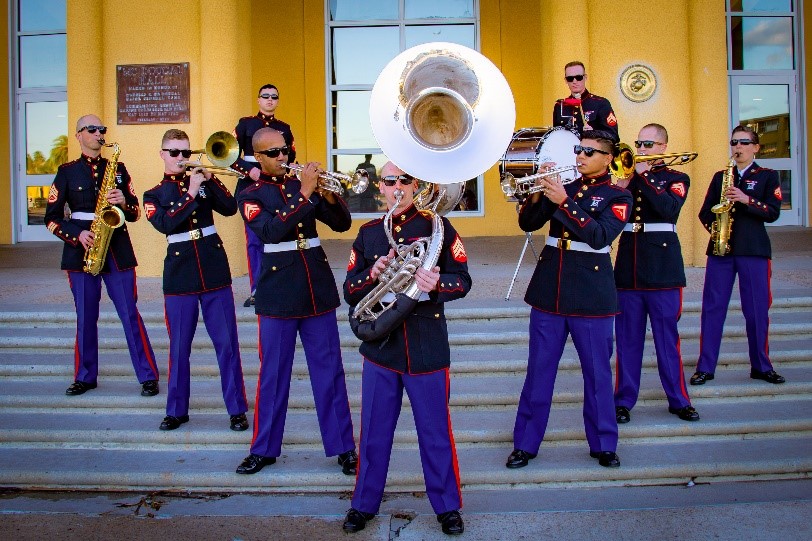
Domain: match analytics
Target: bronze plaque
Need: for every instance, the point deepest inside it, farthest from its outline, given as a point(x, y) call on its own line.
point(153, 93)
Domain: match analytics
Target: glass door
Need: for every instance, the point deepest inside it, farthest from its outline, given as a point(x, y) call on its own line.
point(41, 148)
point(769, 105)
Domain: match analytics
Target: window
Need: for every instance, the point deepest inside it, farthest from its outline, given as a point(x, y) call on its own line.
point(761, 35)
point(41, 113)
point(364, 35)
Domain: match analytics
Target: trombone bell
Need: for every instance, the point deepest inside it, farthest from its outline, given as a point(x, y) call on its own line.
point(222, 150)
point(622, 166)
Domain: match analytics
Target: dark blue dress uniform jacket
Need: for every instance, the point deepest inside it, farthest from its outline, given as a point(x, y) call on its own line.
point(570, 282)
point(597, 110)
point(420, 344)
point(244, 132)
point(653, 260)
point(77, 184)
point(191, 266)
point(748, 235)
point(293, 283)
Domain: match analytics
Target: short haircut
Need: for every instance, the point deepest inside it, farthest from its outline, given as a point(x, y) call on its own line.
point(605, 139)
point(262, 133)
point(746, 129)
point(660, 129)
point(575, 63)
point(268, 86)
point(174, 135)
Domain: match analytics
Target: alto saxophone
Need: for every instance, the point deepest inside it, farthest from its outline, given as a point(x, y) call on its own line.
point(723, 223)
point(108, 217)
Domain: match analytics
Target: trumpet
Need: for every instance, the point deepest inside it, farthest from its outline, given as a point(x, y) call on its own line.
point(524, 186)
point(334, 182)
point(622, 166)
point(222, 150)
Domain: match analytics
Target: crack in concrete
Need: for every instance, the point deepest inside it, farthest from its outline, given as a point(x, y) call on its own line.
point(398, 521)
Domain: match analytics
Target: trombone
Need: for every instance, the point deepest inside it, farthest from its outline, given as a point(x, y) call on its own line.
point(222, 150)
point(622, 166)
point(334, 182)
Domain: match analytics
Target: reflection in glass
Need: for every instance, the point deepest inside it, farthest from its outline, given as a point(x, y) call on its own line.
point(765, 108)
point(352, 126)
point(43, 61)
point(363, 10)
point(762, 43)
point(46, 129)
point(785, 177)
point(359, 54)
point(462, 34)
point(761, 5)
point(37, 199)
point(371, 201)
point(36, 15)
point(432, 9)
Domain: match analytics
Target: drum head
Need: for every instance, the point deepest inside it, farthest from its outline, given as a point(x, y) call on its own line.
point(557, 146)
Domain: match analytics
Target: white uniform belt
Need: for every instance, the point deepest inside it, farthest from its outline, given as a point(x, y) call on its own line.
point(649, 228)
point(565, 244)
point(249, 159)
point(390, 297)
point(82, 216)
point(301, 244)
point(194, 234)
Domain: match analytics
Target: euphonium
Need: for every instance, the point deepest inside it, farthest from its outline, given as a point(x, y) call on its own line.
point(108, 217)
point(723, 223)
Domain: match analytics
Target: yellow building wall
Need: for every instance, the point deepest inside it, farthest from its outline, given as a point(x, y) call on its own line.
point(235, 47)
point(5, 141)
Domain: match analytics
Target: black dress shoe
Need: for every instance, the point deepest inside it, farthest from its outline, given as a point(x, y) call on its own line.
point(149, 388)
point(607, 459)
point(239, 422)
point(622, 414)
point(451, 522)
point(79, 387)
point(356, 520)
point(171, 423)
point(699, 378)
point(687, 413)
point(771, 376)
point(348, 462)
point(519, 459)
point(253, 463)
point(249, 302)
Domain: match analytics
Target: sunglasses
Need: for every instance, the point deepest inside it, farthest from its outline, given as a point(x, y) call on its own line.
point(646, 144)
point(391, 180)
point(174, 152)
point(92, 129)
point(271, 96)
point(588, 151)
point(571, 78)
point(743, 142)
point(274, 152)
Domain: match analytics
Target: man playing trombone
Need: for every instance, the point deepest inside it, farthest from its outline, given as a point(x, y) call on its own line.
point(296, 294)
point(650, 275)
point(196, 276)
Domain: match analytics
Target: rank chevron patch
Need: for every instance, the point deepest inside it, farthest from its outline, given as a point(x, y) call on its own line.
point(458, 251)
point(251, 210)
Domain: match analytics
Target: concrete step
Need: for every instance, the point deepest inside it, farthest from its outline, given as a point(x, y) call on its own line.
point(485, 391)
point(643, 463)
point(138, 429)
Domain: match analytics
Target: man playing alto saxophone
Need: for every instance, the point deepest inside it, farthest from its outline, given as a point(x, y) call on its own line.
point(76, 184)
point(415, 356)
point(756, 197)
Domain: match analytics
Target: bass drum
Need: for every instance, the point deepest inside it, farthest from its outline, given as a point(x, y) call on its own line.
point(530, 147)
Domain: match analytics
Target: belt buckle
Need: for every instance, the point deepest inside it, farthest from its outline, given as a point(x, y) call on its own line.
point(195, 234)
point(302, 244)
point(637, 227)
point(563, 244)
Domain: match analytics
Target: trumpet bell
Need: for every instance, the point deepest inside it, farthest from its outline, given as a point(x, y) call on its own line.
point(222, 149)
point(442, 112)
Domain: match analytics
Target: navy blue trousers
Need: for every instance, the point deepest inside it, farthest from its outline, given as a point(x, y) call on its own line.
point(381, 398)
point(277, 343)
point(220, 319)
point(592, 337)
point(754, 289)
point(122, 290)
point(663, 308)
